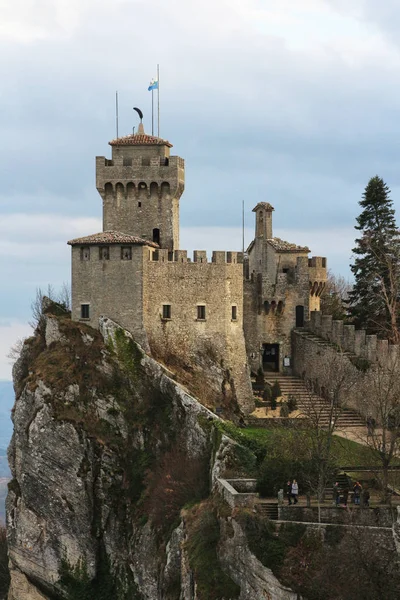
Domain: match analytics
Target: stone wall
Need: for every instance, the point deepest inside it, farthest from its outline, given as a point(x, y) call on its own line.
point(204, 344)
point(269, 323)
point(309, 355)
point(113, 288)
point(368, 517)
point(228, 488)
point(210, 353)
point(352, 340)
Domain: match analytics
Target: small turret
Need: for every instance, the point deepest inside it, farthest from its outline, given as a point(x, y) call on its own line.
point(263, 212)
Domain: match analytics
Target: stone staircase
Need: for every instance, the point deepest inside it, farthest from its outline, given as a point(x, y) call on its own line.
point(268, 509)
point(314, 404)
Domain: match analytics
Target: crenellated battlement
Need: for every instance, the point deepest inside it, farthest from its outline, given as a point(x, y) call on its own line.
point(351, 340)
point(317, 261)
point(129, 176)
point(199, 256)
point(140, 161)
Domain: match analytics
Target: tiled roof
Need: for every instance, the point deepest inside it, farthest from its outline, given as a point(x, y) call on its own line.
point(282, 246)
point(111, 237)
point(264, 205)
point(140, 139)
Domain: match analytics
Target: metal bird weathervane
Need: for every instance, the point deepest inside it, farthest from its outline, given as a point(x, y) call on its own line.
point(139, 112)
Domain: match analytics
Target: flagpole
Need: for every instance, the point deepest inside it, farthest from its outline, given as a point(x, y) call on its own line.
point(243, 227)
point(152, 112)
point(158, 101)
point(116, 112)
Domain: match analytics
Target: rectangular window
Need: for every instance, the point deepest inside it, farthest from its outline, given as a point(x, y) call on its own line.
point(166, 311)
point(85, 311)
point(234, 313)
point(201, 312)
point(85, 253)
point(104, 253)
point(126, 253)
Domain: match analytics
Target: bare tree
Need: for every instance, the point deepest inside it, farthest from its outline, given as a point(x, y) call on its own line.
point(15, 350)
point(335, 296)
point(62, 297)
point(379, 398)
point(389, 285)
point(327, 396)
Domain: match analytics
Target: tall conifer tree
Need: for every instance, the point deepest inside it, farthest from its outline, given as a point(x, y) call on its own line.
point(374, 300)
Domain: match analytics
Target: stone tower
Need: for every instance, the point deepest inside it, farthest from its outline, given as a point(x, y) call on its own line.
point(141, 186)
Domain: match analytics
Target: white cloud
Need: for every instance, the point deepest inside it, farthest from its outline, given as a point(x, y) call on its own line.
point(10, 332)
point(19, 230)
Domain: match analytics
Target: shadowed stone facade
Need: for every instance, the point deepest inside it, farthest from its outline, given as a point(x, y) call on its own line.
point(282, 285)
point(209, 321)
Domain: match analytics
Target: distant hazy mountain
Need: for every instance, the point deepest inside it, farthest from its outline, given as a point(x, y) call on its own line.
point(6, 404)
point(6, 428)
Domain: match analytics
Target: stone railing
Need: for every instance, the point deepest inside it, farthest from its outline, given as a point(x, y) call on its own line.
point(238, 492)
point(352, 340)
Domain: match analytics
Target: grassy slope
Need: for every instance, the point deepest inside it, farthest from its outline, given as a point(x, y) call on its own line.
point(346, 452)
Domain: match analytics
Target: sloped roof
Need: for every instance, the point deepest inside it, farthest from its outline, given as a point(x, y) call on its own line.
point(140, 139)
point(263, 205)
point(111, 237)
point(282, 246)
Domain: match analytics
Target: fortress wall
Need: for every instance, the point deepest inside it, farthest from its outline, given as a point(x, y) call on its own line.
point(112, 288)
point(349, 339)
point(184, 339)
point(308, 356)
point(358, 350)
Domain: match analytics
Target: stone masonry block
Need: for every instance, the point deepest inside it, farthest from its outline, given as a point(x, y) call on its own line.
point(180, 256)
point(382, 350)
point(370, 342)
point(394, 355)
point(326, 326)
point(315, 321)
point(349, 338)
point(218, 257)
point(359, 343)
point(337, 333)
point(199, 256)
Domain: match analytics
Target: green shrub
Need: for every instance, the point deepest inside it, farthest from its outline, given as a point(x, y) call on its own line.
point(276, 390)
point(292, 403)
point(266, 543)
point(267, 393)
point(284, 412)
point(274, 403)
point(274, 473)
point(260, 377)
point(203, 538)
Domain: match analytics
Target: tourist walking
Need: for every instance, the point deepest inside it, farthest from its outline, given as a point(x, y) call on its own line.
point(336, 493)
point(289, 492)
point(357, 492)
point(295, 491)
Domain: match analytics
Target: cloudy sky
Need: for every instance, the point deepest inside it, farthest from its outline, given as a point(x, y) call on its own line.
point(294, 102)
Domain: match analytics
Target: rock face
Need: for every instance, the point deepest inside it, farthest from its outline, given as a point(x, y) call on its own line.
point(107, 448)
point(114, 492)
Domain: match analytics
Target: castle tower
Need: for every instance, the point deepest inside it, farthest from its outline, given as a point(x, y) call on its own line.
point(141, 186)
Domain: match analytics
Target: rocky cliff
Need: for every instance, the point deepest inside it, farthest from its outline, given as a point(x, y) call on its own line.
point(108, 456)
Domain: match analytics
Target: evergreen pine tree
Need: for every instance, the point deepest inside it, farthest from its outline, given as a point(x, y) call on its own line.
point(374, 300)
